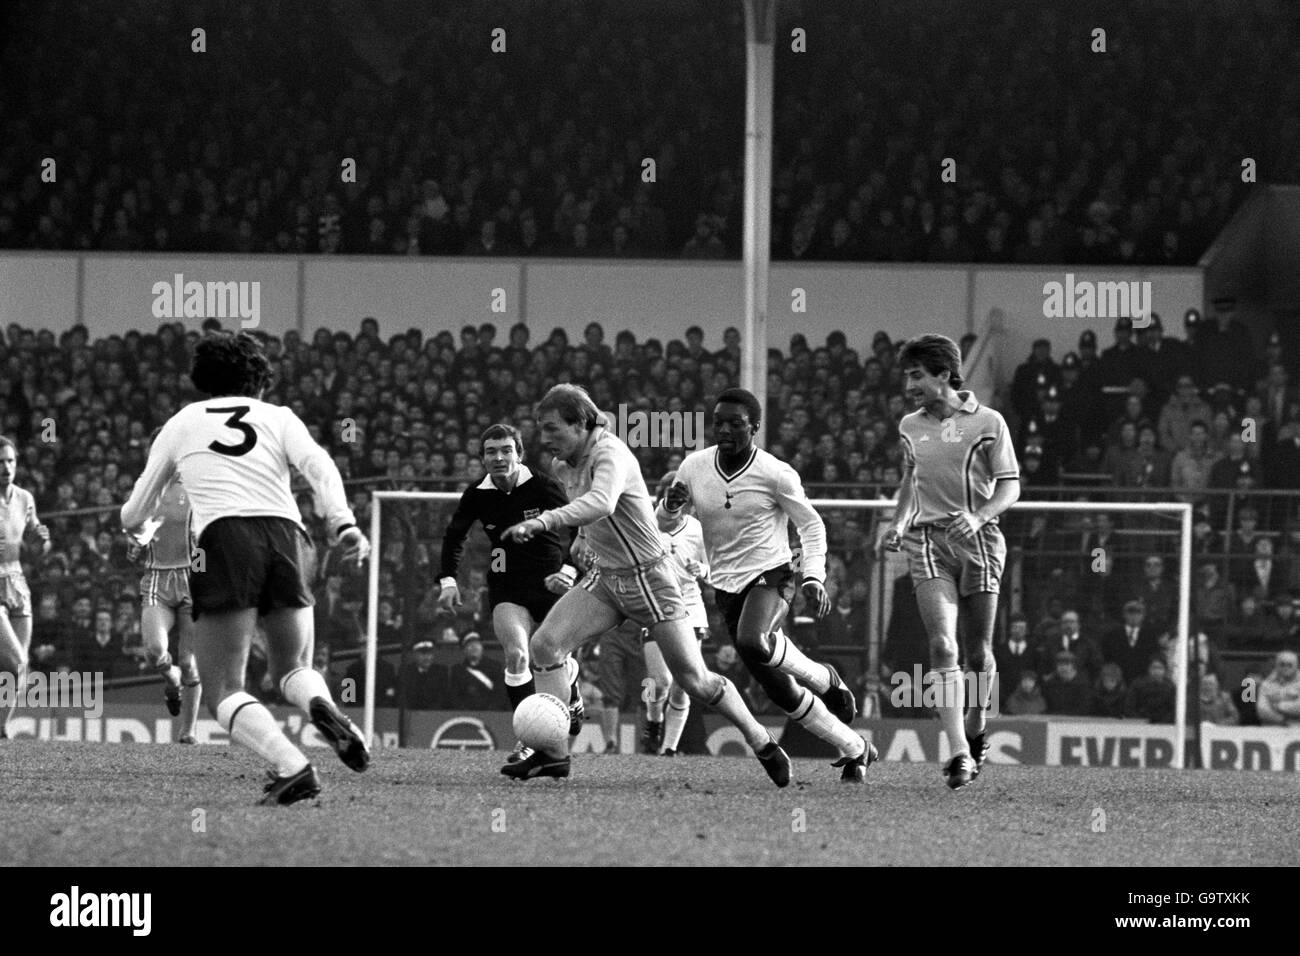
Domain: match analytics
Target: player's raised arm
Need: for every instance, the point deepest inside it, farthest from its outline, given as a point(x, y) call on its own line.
point(320, 471)
point(791, 499)
point(565, 578)
point(671, 511)
point(609, 478)
point(146, 495)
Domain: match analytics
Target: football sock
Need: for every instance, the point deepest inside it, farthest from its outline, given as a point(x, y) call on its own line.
point(790, 660)
point(679, 708)
point(654, 705)
point(727, 701)
point(553, 680)
point(191, 694)
point(977, 713)
point(251, 724)
point(303, 685)
point(813, 715)
point(950, 706)
point(20, 693)
point(519, 686)
point(609, 724)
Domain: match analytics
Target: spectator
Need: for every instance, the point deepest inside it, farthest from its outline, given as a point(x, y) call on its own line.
point(1132, 644)
point(1279, 695)
point(476, 683)
point(1026, 699)
point(1216, 704)
point(1193, 462)
point(1152, 696)
point(1109, 693)
point(1181, 413)
point(1064, 690)
point(103, 653)
point(1084, 650)
point(1157, 594)
point(1014, 655)
point(422, 685)
point(1213, 600)
point(1260, 574)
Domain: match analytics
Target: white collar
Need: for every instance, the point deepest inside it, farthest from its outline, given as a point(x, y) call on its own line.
point(524, 474)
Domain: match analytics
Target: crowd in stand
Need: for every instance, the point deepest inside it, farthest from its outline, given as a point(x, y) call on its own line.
point(1062, 152)
point(406, 413)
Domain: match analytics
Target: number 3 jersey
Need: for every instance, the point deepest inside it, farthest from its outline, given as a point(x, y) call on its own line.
point(233, 454)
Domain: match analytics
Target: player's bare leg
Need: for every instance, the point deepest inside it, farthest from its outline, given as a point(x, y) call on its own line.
point(576, 618)
point(936, 599)
point(681, 652)
point(156, 624)
point(221, 643)
point(513, 626)
point(979, 618)
point(655, 695)
point(191, 688)
point(290, 640)
point(15, 640)
point(756, 641)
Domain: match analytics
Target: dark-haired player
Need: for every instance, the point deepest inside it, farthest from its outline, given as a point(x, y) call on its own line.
point(17, 519)
point(233, 452)
point(745, 499)
point(524, 579)
point(631, 580)
point(959, 474)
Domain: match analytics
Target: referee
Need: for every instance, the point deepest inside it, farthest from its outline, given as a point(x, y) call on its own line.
point(524, 579)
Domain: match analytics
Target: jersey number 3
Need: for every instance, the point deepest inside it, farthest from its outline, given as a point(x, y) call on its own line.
point(236, 421)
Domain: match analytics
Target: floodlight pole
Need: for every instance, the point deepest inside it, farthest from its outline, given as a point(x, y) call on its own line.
point(760, 34)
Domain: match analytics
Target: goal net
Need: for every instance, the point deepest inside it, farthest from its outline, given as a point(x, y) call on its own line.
point(1082, 559)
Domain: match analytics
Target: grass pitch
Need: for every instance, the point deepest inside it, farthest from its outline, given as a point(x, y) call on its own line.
point(74, 804)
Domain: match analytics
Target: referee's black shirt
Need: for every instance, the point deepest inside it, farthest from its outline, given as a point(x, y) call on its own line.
point(496, 510)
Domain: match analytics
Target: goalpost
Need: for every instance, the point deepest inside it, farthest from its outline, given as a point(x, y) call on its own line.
point(1182, 511)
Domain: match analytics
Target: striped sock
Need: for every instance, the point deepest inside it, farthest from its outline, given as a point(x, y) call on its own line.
point(519, 686)
point(654, 705)
point(790, 660)
point(251, 724)
point(812, 714)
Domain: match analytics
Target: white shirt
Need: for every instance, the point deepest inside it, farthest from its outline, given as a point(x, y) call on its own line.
point(686, 543)
point(233, 454)
point(746, 517)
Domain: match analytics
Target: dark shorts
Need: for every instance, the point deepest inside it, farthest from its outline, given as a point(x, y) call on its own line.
point(535, 599)
point(781, 578)
point(256, 562)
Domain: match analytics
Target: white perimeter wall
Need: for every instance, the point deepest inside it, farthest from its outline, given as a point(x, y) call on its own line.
point(112, 292)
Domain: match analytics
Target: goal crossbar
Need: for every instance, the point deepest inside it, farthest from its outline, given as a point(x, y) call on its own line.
point(1182, 509)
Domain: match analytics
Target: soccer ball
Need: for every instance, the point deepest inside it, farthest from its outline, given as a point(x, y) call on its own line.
point(542, 722)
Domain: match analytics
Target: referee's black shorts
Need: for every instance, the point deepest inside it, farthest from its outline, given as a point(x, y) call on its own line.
point(257, 562)
point(532, 596)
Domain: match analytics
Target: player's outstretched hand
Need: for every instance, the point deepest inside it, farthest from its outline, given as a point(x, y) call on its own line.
point(524, 531)
point(677, 497)
point(694, 568)
point(449, 598)
point(559, 582)
point(816, 594)
point(355, 546)
point(964, 525)
point(43, 532)
point(133, 549)
point(892, 540)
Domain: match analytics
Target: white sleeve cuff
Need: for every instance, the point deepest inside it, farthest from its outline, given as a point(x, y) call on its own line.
point(447, 582)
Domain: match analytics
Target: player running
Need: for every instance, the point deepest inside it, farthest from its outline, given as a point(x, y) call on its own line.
point(630, 581)
point(524, 580)
point(667, 704)
point(745, 499)
point(164, 546)
point(17, 519)
point(959, 474)
point(233, 452)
